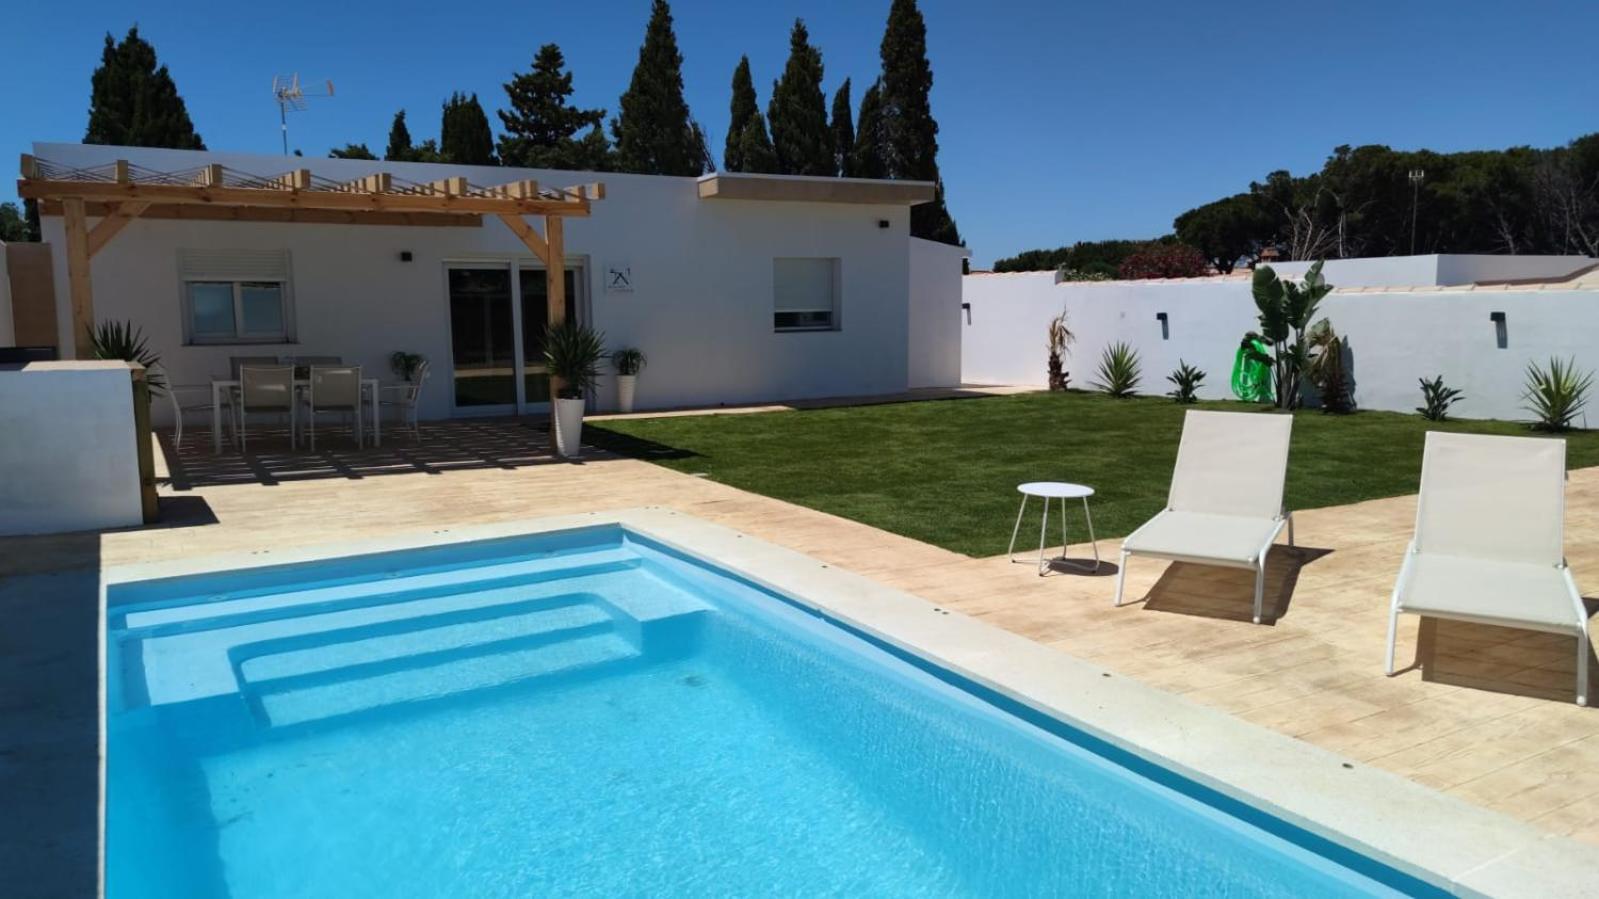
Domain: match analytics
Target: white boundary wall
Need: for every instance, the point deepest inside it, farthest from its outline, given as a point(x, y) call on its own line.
point(67, 448)
point(1394, 337)
point(935, 313)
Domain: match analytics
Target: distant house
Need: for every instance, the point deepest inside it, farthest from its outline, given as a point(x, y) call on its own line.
point(739, 288)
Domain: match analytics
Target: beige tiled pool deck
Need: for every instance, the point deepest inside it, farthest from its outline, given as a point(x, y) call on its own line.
point(1488, 718)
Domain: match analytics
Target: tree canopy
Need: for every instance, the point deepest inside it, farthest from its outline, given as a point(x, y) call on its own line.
point(653, 131)
point(843, 128)
point(351, 151)
point(542, 127)
point(400, 148)
point(133, 101)
point(797, 112)
point(464, 134)
point(14, 225)
point(741, 110)
point(869, 158)
point(908, 124)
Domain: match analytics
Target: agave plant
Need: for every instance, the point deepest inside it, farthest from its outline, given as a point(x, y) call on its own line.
point(1436, 399)
point(1118, 371)
point(126, 341)
point(572, 354)
point(1060, 337)
point(1186, 379)
point(1286, 310)
point(1556, 395)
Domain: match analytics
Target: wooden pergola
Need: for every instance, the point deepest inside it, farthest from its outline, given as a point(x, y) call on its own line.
point(118, 192)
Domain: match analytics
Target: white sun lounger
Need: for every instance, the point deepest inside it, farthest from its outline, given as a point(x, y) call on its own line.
point(1226, 500)
point(1489, 542)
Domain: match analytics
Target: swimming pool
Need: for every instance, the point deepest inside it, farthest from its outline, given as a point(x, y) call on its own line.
point(592, 712)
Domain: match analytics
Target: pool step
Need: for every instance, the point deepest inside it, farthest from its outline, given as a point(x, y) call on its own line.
point(422, 683)
point(329, 655)
point(224, 610)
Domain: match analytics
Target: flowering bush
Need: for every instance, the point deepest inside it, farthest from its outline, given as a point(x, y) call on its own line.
point(1173, 260)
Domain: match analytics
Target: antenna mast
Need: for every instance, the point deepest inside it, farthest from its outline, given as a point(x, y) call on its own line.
point(287, 91)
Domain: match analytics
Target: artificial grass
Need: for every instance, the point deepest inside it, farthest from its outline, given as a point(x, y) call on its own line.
point(945, 471)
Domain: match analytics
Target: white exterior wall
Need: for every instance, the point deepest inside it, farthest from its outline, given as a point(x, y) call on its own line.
point(935, 313)
point(701, 309)
point(1394, 337)
point(67, 448)
point(1436, 270)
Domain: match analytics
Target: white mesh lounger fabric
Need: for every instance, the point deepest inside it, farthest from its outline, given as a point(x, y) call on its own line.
point(1489, 545)
point(1226, 501)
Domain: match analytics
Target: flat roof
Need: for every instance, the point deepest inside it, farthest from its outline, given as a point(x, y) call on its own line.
point(813, 189)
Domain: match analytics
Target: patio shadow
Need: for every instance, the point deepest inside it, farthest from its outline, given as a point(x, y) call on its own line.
point(1500, 659)
point(1212, 591)
point(636, 447)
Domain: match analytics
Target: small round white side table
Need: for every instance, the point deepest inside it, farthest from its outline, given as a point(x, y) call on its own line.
point(1054, 490)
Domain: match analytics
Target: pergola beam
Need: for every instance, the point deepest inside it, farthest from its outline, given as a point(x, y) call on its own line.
point(114, 221)
point(296, 198)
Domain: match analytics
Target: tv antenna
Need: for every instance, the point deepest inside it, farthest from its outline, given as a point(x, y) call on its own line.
point(290, 95)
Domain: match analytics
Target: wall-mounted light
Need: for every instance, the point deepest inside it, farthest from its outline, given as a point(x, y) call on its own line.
point(1165, 325)
point(1501, 335)
point(967, 308)
point(405, 255)
point(882, 223)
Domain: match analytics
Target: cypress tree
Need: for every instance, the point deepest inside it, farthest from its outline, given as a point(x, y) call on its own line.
point(351, 151)
point(755, 148)
point(843, 133)
point(743, 108)
point(399, 149)
point(541, 128)
point(797, 112)
point(654, 134)
point(133, 102)
point(464, 135)
point(910, 131)
point(869, 158)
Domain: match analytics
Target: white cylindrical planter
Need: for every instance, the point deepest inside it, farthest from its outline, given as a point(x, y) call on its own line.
point(568, 427)
point(625, 385)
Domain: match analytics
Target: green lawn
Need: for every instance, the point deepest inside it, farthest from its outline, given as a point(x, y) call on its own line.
point(945, 472)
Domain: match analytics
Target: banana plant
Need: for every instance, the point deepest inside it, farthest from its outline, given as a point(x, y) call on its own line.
point(1286, 311)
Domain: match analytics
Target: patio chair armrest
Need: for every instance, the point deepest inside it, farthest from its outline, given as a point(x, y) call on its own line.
point(1403, 580)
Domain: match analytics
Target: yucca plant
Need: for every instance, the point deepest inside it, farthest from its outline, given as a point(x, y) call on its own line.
point(1186, 379)
point(1556, 395)
point(1118, 371)
point(629, 360)
point(126, 341)
point(1436, 399)
point(1060, 337)
point(572, 354)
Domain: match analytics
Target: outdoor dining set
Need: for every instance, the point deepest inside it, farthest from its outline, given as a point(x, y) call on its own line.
point(296, 391)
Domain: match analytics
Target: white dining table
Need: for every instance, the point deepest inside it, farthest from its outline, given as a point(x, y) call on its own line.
point(369, 386)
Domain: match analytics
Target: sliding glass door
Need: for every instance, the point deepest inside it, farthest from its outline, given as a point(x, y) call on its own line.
point(498, 313)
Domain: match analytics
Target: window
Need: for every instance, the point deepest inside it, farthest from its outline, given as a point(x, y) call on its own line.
point(805, 294)
point(236, 296)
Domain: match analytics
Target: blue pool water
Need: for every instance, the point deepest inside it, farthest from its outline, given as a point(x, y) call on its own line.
point(592, 714)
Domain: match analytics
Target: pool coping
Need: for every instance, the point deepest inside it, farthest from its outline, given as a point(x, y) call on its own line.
point(1440, 839)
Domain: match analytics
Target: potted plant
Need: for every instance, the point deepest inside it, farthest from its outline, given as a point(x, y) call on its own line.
point(572, 354)
point(629, 361)
point(404, 364)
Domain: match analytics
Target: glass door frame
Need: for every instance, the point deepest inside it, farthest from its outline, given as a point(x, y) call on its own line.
point(577, 265)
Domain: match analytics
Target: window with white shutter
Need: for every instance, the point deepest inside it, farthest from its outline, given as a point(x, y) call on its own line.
point(236, 296)
point(805, 294)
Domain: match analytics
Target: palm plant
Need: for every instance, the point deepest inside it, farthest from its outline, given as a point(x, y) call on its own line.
point(1286, 310)
point(1186, 379)
point(1118, 371)
point(126, 341)
point(1556, 395)
point(1060, 337)
point(1436, 399)
point(572, 354)
point(629, 361)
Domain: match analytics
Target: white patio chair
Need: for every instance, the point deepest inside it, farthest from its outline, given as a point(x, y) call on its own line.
point(1226, 501)
point(186, 398)
point(334, 389)
point(264, 390)
point(1489, 541)
point(402, 399)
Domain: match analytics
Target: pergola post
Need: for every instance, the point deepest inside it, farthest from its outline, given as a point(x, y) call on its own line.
point(79, 286)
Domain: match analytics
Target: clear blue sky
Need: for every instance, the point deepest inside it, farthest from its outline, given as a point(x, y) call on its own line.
point(1059, 121)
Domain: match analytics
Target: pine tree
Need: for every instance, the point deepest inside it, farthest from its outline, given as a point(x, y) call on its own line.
point(541, 128)
point(133, 102)
point(755, 148)
point(911, 134)
point(843, 133)
point(797, 112)
point(743, 108)
point(351, 151)
point(464, 135)
point(869, 158)
point(654, 134)
point(399, 149)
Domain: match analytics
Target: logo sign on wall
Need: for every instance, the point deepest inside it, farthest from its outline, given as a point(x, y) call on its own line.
point(619, 278)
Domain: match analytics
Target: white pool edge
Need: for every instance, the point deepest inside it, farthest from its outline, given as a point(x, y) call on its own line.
point(1437, 838)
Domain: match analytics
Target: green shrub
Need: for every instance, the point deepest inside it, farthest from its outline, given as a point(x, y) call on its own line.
point(1556, 395)
point(1186, 379)
point(125, 341)
point(1118, 371)
point(1436, 399)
